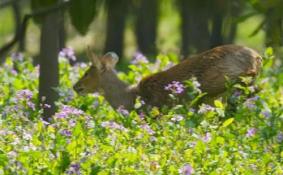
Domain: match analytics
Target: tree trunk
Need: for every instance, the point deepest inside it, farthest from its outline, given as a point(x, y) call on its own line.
point(274, 30)
point(216, 38)
point(49, 71)
point(194, 27)
point(146, 26)
point(17, 17)
point(116, 18)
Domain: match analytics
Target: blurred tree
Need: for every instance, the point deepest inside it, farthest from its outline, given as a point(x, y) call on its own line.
point(52, 38)
point(206, 24)
point(194, 25)
point(272, 22)
point(17, 16)
point(49, 71)
point(116, 20)
point(48, 57)
point(146, 25)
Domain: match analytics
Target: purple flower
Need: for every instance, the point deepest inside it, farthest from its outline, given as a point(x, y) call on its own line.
point(207, 137)
point(142, 115)
point(196, 84)
point(17, 56)
point(251, 132)
point(250, 103)
point(68, 110)
point(113, 125)
point(24, 94)
point(74, 169)
point(280, 137)
point(31, 105)
point(139, 58)
point(68, 53)
point(147, 128)
point(72, 123)
point(186, 170)
point(14, 72)
point(204, 108)
point(177, 118)
point(121, 109)
point(266, 113)
point(27, 136)
point(66, 132)
point(175, 87)
point(237, 93)
point(46, 106)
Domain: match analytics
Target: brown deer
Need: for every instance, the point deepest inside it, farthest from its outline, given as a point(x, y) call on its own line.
point(211, 68)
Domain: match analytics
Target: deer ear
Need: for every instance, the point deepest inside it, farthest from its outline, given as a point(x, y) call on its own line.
point(109, 60)
point(93, 58)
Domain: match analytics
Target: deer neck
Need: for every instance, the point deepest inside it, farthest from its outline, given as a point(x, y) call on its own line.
point(117, 92)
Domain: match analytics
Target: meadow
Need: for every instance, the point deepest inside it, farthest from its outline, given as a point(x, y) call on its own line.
point(86, 136)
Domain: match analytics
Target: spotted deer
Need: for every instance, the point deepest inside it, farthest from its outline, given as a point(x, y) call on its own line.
point(211, 68)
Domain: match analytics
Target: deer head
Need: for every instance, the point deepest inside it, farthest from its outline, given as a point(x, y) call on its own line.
point(100, 66)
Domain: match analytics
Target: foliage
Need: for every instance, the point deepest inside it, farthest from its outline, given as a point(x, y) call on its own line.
point(86, 136)
point(82, 14)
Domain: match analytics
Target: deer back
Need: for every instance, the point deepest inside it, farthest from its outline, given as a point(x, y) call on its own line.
point(211, 68)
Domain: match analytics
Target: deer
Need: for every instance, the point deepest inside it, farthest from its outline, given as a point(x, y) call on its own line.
point(211, 69)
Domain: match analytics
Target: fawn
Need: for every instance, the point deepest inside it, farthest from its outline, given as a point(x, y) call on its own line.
point(210, 68)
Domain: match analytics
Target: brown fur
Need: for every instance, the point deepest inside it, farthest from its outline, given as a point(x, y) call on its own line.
point(210, 68)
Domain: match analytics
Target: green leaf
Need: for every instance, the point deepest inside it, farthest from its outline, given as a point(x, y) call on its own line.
point(82, 14)
point(64, 161)
point(227, 122)
point(95, 169)
point(218, 104)
point(3, 159)
point(268, 52)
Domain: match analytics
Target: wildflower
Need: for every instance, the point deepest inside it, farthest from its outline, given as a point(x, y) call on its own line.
point(31, 105)
point(27, 136)
point(175, 87)
point(177, 118)
point(280, 137)
point(266, 113)
point(196, 84)
point(142, 115)
point(74, 169)
point(121, 109)
point(251, 132)
point(252, 89)
point(12, 154)
point(46, 106)
point(153, 139)
point(113, 125)
point(14, 72)
point(66, 132)
point(68, 110)
point(139, 58)
point(17, 56)
point(68, 53)
point(186, 170)
point(204, 108)
point(250, 103)
point(237, 93)
point(24, 94)
point(147, 128)
point(72, 123)
point(207, 137)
